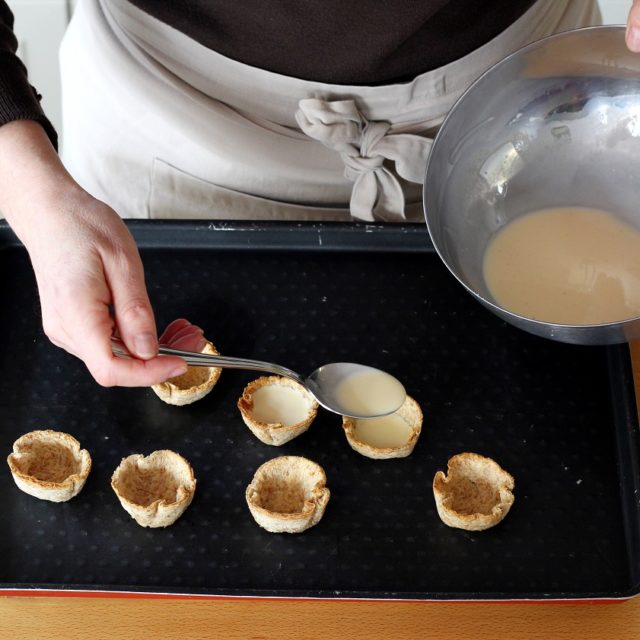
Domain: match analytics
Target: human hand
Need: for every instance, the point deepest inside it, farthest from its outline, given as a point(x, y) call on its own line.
point(633, 27)
point(85, 261)
point(86, 267)
point(181, 334)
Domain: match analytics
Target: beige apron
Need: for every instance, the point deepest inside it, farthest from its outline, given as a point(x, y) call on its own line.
point(159, 126)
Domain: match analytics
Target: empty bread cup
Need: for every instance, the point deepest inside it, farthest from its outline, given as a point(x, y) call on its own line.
point(392, 436)
point(475, 494)
point(156, 489)
point(49, 465)
point(277, 409)
point(288, 494)
point(191, 386)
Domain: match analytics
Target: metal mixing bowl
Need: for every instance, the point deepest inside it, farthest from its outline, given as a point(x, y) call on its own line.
point(554, 124)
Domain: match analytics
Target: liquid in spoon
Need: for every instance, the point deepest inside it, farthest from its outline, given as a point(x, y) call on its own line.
point(370, 393)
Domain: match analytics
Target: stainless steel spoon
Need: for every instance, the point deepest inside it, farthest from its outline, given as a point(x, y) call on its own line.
point(346, 388)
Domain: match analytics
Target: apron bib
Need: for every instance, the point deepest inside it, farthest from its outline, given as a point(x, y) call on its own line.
point(158, 126)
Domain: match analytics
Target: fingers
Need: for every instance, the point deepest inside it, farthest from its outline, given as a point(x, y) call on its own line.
point(136, 373)
point(190, 342)
point(181, 334)
point(87, 335)
point(633, 27)
point(110, 371)
point(172, 329)
point(132, 310)
point(177, 328)
point(136, 326)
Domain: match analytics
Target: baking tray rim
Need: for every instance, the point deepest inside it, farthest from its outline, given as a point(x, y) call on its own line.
point(53, 591)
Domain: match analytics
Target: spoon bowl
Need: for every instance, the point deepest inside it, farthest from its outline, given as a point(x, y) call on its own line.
point(346, 388)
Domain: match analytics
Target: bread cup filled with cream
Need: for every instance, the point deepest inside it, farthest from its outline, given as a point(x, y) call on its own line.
point(391, 436)
point(277, 409)
point(49, 465)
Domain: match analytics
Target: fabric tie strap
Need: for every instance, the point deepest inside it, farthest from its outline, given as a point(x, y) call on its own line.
point(364, 147)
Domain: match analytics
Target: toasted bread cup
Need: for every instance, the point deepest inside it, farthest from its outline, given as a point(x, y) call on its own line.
point(49, 465)
point(193, 385)
point(277, 409)
point(288, 494)
point(475, 495)
point(156, 489)
point(369, 437)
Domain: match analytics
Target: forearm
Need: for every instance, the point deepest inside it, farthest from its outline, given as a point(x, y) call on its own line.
point(31, 177)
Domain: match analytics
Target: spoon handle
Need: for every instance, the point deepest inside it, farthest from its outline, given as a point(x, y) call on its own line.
point(195, 359)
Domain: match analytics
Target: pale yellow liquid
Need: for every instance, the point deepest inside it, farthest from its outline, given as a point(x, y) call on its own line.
point(279, 404)
point(385, 432)
point(370, 393)
point(567, 265)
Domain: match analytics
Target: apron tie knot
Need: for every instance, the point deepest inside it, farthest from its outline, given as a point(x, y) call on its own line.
point(367, 149)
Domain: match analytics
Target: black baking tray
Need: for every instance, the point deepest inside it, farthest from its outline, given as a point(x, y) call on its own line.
point(561, 418)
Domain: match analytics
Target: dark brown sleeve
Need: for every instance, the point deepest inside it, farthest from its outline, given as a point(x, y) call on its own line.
point(18, 99)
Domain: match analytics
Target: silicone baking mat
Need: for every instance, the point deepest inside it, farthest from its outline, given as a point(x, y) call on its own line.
point(560, 418)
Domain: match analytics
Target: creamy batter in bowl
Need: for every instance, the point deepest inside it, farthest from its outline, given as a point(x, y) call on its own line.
point(555, 125)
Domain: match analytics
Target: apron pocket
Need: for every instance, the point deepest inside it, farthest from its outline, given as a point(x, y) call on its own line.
point(175, 194)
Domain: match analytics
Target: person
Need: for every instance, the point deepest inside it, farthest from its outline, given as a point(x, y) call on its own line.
point(632, 35)
point(285, 110)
